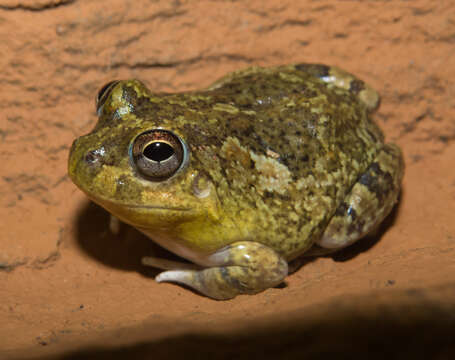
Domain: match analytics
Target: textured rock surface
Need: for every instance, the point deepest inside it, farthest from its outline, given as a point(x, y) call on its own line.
point(67, 283)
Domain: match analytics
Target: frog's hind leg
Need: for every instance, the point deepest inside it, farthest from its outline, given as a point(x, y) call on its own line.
point(244, 267)
point(371, 199)
point(342, 79)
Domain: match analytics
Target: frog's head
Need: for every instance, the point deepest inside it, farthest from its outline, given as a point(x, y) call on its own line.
point(137, 163)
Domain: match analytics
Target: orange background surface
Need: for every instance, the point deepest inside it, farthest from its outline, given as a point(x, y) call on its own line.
point(68, 286)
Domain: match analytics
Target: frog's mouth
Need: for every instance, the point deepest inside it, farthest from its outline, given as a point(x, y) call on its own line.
point(155, 207)
point(110, 205)
point(115, 207)
point(147, 215)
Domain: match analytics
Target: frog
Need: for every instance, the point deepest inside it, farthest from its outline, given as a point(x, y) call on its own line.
point(243, 178)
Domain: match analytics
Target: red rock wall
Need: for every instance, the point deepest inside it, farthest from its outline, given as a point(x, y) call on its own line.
point(67, 283)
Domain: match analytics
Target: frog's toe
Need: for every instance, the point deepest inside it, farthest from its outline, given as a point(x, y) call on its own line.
point(114, 225)
point(240, 268)
point(209, 282)
point(177, 276)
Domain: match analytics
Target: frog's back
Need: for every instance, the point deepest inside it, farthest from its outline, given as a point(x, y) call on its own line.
point(288, 147)
point(295, 115)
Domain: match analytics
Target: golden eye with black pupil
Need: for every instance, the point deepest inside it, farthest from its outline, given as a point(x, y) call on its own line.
point(103, 94)
point(158, 154)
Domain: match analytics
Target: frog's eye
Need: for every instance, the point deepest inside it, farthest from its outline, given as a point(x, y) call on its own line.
point(103, 94)
point(158, 154)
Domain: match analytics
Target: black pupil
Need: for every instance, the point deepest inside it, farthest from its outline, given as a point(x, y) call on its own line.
point(158, 151)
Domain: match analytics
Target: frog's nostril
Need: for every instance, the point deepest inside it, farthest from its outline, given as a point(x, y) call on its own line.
point(94, 157)
point(90, 157)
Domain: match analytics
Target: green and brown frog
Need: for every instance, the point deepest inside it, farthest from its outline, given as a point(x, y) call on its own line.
point(241, 178)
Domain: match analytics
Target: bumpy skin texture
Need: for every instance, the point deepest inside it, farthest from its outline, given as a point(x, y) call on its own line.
point(278, 160)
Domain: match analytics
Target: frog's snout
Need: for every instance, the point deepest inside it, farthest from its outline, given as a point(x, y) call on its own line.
point(82, 159)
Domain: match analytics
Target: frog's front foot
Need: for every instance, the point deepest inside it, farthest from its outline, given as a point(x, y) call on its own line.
point(241, 268)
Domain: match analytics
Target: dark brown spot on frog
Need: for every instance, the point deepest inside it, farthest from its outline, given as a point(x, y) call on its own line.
point(231, 280)
point(318, 70)
point(376, 169)
point(268, 195)
point(356, 227)
point(367, 180)
point(375, 137)
point(356, 86)
point(377, 181)
point(342, 209)
point(287, 159)
point(308, 93)
point(196, 136)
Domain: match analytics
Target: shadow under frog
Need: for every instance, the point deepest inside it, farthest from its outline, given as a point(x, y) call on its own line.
point(123, 250)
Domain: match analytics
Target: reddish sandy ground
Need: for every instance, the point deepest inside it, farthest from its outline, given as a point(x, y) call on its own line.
point(70, 289)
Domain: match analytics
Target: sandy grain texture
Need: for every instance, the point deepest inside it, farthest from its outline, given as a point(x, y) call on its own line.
point(68, 285)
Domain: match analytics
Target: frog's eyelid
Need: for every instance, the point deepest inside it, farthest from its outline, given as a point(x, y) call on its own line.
point(103, 94)
point(99, 110)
